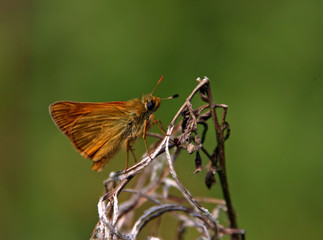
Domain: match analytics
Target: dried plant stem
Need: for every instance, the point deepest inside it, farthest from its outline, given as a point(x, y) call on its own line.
point(152, 174)
point(188, 195)
point(222, 170)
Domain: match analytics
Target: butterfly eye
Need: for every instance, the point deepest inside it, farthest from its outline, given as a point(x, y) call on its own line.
point(150, 105)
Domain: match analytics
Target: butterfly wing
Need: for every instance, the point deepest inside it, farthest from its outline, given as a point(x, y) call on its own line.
point(97, 130)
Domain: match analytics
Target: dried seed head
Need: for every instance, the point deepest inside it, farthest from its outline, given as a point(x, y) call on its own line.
point(209, 179)
point(198, 163)
point(191, 148)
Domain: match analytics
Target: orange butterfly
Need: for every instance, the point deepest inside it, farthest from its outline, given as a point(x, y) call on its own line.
point(99, 130)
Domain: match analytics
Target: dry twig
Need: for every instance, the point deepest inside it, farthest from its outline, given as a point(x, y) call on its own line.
point(117, 221)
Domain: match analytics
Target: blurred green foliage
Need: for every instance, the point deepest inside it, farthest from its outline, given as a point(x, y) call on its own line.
point(264, 59)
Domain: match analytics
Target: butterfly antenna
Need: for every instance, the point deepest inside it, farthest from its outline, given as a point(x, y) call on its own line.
point(159, 81)
point(171, 97)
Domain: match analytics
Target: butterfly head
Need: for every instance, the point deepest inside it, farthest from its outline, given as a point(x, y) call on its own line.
point(151, 102)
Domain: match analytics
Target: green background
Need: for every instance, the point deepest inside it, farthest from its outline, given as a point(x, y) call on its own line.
point(264, 59)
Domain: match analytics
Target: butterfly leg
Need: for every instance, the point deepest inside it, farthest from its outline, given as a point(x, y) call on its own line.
point(144, 136)
point(133, 153)
point(128, 148)
point(159, 124)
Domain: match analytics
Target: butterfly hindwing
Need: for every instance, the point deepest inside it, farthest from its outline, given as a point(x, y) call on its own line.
point(95, 129)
